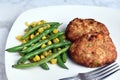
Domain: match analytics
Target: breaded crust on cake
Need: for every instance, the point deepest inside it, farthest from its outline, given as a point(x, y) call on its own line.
point(93, 50)
point(78, 27)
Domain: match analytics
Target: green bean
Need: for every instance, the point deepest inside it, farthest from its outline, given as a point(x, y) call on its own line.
point(48, 58)
point(64, 55)
point(44, 66)
point(29, 49)
point(36, 28)
point(39, 51)
point(59, 58)
point(59, 61)
point(20, 47)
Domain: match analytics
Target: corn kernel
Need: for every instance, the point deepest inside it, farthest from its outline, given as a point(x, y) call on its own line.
point(42, 56)
point(26, 23)
point(45, 27)
point(55, 31)
point(44, 37)
point(32, 44)
point(43, 45)
point(56, 40)
point(34, 59)
point(43, 21)
point(49, 51)
point(53, 61)
point(19, 37)
point(59, 49)
point(31, 36)
point(37, 34)
point(45, 53)
point(33, 24)
point(37, 57)
point(40, 30)
point(27, 39)
point(23, 41)
point(24, 48)
point(49, 42)
point(39, 23)
point(48, 26)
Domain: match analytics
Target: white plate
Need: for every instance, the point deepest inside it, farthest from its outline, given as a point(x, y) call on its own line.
point(63, 14)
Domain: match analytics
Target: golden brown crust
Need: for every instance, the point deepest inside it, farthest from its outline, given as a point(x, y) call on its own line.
point(93, 50)
point(77, 27)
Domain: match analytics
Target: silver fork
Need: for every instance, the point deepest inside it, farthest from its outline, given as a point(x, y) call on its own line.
point(97, 74)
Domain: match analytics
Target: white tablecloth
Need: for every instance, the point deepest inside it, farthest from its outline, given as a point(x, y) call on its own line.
point(10, 9)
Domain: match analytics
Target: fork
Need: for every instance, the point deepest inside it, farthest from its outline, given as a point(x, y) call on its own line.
point(97, 74)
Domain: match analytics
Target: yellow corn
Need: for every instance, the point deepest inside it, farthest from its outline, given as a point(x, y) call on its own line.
point(44, 37)
point(49, 42)
point(56, 40)
point(45, 53)
point(37, 57)
point(59, 49)
point(38, 23)
point(37, 34)
point(48, 26)
point(34, 59)
point(40, 30)
point(55, 31)
point(24, 48)
point(49, 51)
point(43, 21)
point(31, 36)
point(42, 56)
point(33, 24)
point(19, 37)
point(43, 45)
point(53, 61)
point(45, 27)
point(32, 44)
point(23, 41)
point(27, 39)
point(26, 23)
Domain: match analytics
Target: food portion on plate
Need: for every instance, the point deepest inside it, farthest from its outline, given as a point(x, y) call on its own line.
point(41, 43)
point(78, 27)
point(92, 45)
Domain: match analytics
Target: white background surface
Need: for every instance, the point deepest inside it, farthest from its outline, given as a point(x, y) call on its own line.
point(10, 9)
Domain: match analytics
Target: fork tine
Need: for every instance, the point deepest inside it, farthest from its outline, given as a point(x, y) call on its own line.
point(101, 69)
point(109, 73)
